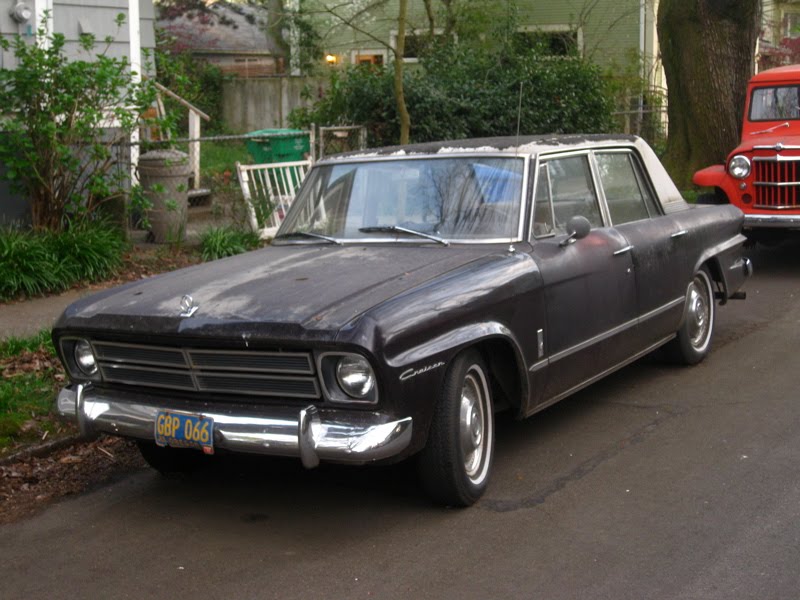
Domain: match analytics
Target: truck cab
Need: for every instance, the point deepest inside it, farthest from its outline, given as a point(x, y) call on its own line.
point(761, 175)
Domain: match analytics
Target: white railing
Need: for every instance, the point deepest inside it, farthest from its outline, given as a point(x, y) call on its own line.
point(268, 191)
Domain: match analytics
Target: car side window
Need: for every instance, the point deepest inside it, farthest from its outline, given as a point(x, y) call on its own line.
point(572, 191)
point(627, 197)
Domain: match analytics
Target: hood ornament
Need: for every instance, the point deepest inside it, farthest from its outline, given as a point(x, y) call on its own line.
point(188, 306)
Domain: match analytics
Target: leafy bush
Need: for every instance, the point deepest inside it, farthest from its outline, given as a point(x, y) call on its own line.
point(195, 80)
point(219, 242)
point(58, 143)
point(35, 263)
point(462, 91)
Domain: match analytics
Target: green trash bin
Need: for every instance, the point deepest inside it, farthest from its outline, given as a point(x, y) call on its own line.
point(278, 145)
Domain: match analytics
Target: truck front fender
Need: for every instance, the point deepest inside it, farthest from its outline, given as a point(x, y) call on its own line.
point(714, 176)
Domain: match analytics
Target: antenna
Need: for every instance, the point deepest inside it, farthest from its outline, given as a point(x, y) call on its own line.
point(519, 117)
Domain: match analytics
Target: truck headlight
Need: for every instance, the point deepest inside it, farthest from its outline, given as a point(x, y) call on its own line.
point(355, 376)
point(739, 166)
point(84, 358)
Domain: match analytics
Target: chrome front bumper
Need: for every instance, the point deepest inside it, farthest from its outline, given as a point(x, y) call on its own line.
point(777, 221)
point(310, 433)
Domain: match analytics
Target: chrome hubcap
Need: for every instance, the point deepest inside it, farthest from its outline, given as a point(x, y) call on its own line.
point(698, 313)
point(472, 424)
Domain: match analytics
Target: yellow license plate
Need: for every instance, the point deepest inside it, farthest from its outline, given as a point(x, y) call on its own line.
point(184, 430)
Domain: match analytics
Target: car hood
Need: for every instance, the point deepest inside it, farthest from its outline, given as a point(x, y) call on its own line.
point(301, 287)
point(780, 137)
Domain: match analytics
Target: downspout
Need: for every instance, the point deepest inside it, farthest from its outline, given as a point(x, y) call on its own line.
point(40, 9)
point(135, 54)
point(642, 57)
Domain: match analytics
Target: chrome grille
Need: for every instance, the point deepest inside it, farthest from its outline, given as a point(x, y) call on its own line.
point(777, 182)
point(250, 373)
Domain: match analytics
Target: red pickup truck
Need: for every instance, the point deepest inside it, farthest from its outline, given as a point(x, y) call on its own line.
point(762, 174)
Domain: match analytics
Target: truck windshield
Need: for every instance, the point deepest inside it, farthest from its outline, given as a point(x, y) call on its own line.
point(775, 103)
point(448, 199)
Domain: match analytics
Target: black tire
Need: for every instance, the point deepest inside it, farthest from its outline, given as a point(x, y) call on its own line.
point(455, 464)
point(693, 342)
point(713, 198)
point(172, 461)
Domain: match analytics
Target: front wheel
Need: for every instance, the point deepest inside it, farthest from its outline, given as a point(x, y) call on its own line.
point(693, 341)
point(455, 464)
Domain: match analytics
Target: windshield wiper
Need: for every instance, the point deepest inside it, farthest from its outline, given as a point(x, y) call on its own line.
point(309, 234)
point(771, 129)
point(398, 229)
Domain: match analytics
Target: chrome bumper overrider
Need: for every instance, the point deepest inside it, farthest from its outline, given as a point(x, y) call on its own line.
point(787, 221)
point(310, 433)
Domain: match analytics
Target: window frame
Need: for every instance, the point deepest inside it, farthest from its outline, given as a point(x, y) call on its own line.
point(640, 173)
point(383, 52)
point(557, 28)
point(641, 179)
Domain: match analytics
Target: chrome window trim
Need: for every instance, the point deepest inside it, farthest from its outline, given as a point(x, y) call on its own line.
point(525, 158)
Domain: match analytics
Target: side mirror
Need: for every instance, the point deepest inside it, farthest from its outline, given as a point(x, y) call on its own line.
point(578, 228)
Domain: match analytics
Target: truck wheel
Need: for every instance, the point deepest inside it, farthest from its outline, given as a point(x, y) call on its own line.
point(455, 464)
point(694, 336)
point(710, 198)
point(171, 461)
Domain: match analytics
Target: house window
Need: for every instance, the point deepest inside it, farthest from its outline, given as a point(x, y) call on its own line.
point(791, 24)
point(417, 40)
point(553, 40)
point(368, 57)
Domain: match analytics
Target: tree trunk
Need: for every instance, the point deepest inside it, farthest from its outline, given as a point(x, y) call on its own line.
point(399, 93)
point(707, 48)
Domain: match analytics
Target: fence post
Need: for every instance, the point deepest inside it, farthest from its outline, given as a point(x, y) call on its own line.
point(194, 148)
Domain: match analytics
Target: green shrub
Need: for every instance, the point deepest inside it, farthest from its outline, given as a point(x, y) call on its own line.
point(56, 145)
point(35, 263)
point(461, 91)
point(219, 242)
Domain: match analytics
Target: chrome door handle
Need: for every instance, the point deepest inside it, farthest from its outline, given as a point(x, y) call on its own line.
point(680, 233)
point(624, 250)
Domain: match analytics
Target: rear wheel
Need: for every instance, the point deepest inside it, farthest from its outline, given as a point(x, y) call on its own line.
point(694, 337)
point(171, 461)
point(455, 464)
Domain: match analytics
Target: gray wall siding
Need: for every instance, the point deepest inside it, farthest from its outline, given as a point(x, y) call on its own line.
point(71, 18)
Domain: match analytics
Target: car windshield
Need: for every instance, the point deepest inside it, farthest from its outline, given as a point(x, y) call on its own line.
point(447, 199)
point(775, 103)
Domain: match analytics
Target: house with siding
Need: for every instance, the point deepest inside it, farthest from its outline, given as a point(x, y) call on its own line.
point(613, 33)
point(779, 42)
point(72, 18)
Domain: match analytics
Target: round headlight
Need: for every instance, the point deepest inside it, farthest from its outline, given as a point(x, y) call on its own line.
point(84, 358)
point(739, 166)
point(355, 376)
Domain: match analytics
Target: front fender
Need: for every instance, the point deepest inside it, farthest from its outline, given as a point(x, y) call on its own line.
point(420, 361)
point(714, 176)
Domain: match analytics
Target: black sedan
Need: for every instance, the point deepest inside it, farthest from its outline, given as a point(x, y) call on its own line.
point(410, 294)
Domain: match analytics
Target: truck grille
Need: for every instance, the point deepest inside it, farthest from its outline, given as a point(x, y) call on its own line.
point(256, 373)
point(777, 182)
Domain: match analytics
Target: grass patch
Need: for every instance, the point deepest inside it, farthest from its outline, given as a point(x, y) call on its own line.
point(36, 263)
point(219, 242)
point(218, 157)
point(31, 376)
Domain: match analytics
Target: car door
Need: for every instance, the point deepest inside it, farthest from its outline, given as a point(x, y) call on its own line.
point(659, 243)
point(589, 286)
